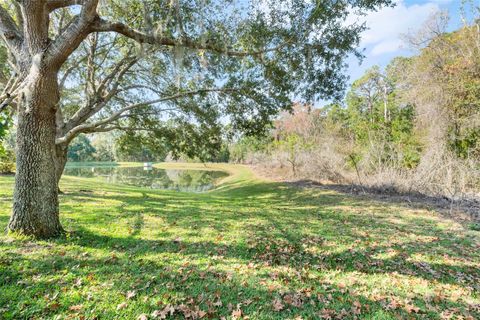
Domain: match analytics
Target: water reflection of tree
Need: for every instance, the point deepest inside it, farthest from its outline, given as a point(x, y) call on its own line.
point(81, 172)
point(194, 178)
point(182, 180)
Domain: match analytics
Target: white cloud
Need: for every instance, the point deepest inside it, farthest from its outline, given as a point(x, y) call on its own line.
point(386, 46)
point(387, 25)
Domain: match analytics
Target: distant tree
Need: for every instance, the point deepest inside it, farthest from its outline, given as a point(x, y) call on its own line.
point(223, 155)
point(379, 120)
point(444, 83)
point(243, 146)
point(81, 149)
point(105, 147)
point(7, 156)
point(365, 93)
point(303, 120)
point(414, 125)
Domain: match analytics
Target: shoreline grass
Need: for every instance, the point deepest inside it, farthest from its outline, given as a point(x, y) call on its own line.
point(249, 248)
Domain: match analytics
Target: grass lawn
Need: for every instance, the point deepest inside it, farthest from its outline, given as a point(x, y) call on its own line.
point(250, 249)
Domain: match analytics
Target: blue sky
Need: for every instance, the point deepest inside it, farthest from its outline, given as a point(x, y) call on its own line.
point(382, 41)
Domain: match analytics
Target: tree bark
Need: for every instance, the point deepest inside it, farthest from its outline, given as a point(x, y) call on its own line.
point(35, 207)
point(60, 161)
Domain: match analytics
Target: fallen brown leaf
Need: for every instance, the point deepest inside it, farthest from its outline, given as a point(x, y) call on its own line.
point(122, 305)
point(77, 307)
point(236, 314)
point(131, 294)
point(277, 305)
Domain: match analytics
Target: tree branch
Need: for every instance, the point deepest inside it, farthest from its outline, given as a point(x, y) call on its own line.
point(116, 127)
point(6, 101)
point(88, 127)
point(102, 97)
point(36, 26)
point(117, 114)
point(74, 34)
point(120, 69)
point(101, 25)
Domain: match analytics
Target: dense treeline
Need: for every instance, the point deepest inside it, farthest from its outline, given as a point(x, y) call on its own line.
point(414, 126)
point(112, 147)
point(139, 148)
point(115, 147)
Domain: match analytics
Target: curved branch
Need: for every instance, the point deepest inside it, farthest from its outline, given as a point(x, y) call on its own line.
point(6, 102)
point(119, 113)
point(10, 92)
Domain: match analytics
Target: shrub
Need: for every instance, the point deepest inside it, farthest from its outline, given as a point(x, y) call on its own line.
point(7, 167)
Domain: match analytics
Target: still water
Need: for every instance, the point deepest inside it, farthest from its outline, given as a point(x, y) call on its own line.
point(149, 177)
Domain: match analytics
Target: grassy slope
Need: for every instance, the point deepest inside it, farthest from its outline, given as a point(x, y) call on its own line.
point(271, 251)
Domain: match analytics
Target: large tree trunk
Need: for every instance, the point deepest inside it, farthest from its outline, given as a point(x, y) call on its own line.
point(35, 207)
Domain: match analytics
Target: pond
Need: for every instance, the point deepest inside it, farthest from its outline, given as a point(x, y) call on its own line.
point(150, 177)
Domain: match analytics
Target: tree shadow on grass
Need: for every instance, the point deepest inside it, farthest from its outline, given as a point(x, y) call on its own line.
point(282, 227)
point(156, 283)
point(276, 251)
point(4, 219)
point(286, 210)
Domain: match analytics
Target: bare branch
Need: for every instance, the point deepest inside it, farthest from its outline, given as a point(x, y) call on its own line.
point(10, 92)
point(66, 74)
point(116, 127)
point(118, 72)
point(91, 71)
point(7, 101)
point(117, 114)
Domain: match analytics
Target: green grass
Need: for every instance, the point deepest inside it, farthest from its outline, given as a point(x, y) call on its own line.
point(251, 247)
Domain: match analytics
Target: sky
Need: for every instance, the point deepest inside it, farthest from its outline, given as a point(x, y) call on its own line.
point(382, 41)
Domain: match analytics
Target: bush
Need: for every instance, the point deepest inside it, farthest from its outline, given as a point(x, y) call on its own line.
point(7, 167)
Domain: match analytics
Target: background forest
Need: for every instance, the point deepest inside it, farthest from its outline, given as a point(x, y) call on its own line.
point(412, 127)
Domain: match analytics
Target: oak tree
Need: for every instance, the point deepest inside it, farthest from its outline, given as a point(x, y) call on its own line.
point(178, 67)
